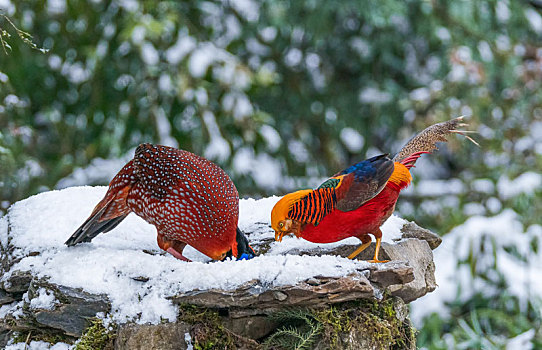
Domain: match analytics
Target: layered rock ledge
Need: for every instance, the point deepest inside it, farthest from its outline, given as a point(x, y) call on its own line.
point(120, 290)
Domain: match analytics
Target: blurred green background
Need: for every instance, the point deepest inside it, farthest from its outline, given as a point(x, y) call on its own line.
point(282, 94)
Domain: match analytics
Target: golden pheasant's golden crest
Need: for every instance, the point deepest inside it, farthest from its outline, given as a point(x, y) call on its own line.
point(280, 222)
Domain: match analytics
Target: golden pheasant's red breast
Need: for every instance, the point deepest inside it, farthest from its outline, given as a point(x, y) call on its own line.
point(186, 197)
point(339, 225)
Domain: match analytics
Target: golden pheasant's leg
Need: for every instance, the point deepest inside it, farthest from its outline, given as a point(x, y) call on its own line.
point(378, 236)
point(366, 241)
point(174, 248)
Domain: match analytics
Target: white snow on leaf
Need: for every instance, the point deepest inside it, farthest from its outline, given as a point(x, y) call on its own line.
point(374, 96)
point(428, 188)
point(56, 7)
point(502, 10)
point(99, 171)
point(421, 95)
point(7, 7)
point(264, 169)
point(184, 45)
point(76, 72)
point(3, 77)
point(483, 185)
point(522, 341)
point(271, 136)
point(526, 183)
point(164, 128)
point(249, 9)
point(164, 83)
point(293, 57)
point(129, 5)
point(535, 20)
point(112, 262)
point(201, 58)
point(352, 139)
point(138, 34)
point(218, 148)
point(149, 54)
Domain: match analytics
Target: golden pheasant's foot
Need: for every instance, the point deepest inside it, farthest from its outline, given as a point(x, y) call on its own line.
point(377, 261)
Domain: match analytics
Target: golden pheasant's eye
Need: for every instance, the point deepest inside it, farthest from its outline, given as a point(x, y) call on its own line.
point(281, 224)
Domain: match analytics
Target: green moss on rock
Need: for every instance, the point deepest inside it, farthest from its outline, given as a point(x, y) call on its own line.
point(207, 332)
point(96, 337)
point(369, 324)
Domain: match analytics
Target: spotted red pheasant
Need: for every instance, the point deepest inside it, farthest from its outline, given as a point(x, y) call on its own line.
point(189, 199)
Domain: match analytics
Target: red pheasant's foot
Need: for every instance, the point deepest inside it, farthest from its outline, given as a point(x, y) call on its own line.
point(173, 247)
point(176, 254)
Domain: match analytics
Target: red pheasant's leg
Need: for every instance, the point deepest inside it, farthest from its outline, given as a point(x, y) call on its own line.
point(174, 248)
point(366, 241)
point(378, 236)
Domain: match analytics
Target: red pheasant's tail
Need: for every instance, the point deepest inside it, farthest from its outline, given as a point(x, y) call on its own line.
point(109, 212)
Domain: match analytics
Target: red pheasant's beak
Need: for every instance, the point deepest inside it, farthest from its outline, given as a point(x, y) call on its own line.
point(279, 235)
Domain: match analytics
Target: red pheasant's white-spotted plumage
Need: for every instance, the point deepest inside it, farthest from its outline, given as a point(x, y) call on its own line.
point(189, 199)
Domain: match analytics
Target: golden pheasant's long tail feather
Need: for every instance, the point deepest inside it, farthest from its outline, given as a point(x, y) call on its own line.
point(425, 141)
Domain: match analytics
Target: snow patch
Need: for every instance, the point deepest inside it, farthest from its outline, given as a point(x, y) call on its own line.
point(4, 232)
point(44, 300)
point(38, 345)
point(114, 263)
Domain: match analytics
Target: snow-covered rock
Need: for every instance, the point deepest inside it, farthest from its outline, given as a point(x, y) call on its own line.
point(124, 277)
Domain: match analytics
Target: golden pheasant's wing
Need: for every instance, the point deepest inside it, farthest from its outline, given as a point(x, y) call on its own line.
point(345, 191)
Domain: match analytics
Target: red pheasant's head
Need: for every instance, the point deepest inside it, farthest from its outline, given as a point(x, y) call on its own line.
point(280, 219)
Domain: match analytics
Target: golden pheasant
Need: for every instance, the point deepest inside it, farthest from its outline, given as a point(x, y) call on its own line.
point(358, 200)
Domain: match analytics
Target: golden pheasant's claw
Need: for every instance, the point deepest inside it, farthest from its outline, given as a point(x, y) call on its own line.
point(377, 250)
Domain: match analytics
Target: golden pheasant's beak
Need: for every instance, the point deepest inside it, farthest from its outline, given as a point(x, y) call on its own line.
point(284, 228)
